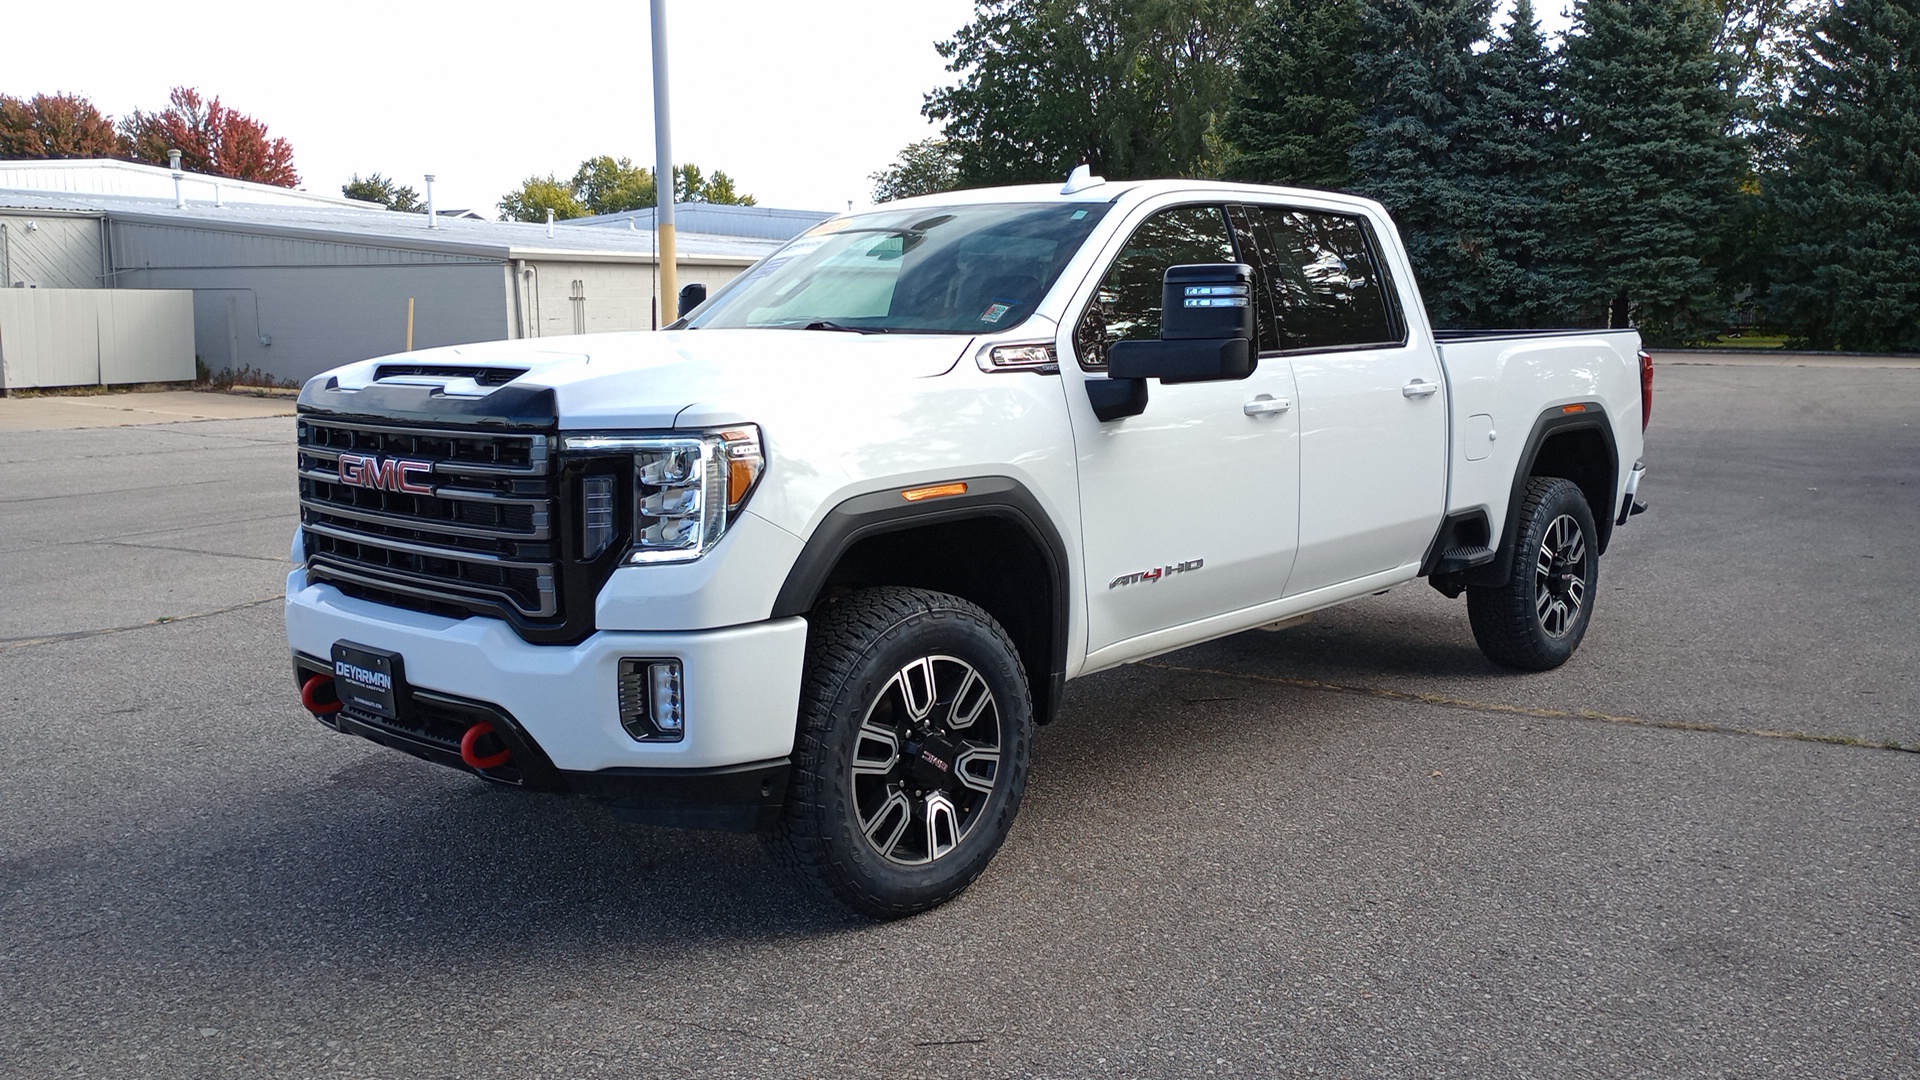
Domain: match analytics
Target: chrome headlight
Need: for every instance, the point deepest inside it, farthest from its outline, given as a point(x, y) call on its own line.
point(687, 488)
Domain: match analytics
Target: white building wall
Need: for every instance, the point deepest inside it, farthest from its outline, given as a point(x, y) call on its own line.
point(599, 297)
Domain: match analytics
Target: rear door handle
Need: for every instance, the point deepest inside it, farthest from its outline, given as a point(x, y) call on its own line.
point(1265, 405)
point(1420, 388)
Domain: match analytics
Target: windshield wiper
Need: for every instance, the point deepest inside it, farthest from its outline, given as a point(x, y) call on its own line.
point(823, 324)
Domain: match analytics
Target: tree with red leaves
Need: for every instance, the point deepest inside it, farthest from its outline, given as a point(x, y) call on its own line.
point(212, 139)
point(56, 126)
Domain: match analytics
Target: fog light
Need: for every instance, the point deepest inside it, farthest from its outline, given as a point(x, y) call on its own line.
point(653, 699)
point(667, 697)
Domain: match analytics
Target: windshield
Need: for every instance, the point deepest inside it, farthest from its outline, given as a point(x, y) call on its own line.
point(950, 269)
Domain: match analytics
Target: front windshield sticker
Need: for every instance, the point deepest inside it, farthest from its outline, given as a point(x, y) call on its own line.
point(995, 311)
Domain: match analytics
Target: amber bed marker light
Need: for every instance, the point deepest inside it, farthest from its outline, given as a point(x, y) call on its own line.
point(937, 491)
point(1573, 408)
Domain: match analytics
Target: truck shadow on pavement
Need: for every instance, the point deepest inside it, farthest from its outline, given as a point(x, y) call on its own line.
point(330, 847)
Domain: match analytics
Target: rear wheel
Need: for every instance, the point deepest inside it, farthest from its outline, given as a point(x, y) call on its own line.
point(1536, 620)
point(911, 755)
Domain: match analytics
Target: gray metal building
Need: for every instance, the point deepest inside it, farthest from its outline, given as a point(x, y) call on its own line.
point(291, 289)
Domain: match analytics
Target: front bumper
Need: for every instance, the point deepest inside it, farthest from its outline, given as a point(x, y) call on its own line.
point(742, 688)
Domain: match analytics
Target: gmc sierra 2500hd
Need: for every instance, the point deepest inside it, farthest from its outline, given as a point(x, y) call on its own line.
point(817, 558)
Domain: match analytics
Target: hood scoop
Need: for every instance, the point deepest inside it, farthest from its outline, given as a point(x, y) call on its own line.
point(456, 380)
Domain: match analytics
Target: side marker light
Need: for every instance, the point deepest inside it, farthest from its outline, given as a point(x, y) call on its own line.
point(937, 491)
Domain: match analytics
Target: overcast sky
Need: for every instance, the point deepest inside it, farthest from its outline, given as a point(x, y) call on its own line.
point(799, 100)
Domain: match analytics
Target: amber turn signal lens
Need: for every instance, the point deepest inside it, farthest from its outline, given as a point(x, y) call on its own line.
point(740, 476)
point(937, 491)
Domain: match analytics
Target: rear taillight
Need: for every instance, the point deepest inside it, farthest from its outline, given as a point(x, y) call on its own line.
point(1646, 388)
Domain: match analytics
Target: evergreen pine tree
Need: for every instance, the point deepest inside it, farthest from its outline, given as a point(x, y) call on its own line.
point(1418, 65)
point(1299, 107)
point(1847, 212)
point(1510, 154)
point(1655, 165)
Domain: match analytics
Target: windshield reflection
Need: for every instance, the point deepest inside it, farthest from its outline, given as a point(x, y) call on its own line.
point(961, 269)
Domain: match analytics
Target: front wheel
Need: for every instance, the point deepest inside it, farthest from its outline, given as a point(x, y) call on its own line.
point(1536, 620)
point(912, 750)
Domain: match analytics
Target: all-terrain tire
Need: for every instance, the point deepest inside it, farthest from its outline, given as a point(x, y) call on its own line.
point(911, 756)
point(1536, 620)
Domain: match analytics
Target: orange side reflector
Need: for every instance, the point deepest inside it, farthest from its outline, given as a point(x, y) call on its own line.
point(739, 479)
point(1573, 408)
point(937, 491)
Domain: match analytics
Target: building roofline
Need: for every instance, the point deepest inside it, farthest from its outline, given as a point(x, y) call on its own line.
point(424, 241)
point(281, 195)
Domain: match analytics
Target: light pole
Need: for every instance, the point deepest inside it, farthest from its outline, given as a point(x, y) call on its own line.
point(666, 266)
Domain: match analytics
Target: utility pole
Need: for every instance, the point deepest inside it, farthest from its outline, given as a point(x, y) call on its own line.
point(666, 267)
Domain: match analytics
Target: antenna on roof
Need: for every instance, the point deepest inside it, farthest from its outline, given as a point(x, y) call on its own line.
point(1081, 178)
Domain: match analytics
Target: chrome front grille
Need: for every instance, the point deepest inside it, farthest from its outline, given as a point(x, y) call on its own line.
point(475, 533)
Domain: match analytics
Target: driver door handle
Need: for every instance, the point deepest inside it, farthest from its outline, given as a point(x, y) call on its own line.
point(1420, 388)
point(1265, 405)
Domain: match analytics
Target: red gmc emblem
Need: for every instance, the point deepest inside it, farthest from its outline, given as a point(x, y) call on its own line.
point(387, 474)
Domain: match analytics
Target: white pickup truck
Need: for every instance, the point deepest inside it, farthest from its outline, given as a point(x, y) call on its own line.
point(817, 558)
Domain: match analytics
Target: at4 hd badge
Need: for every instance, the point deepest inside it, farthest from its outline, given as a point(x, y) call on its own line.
point(1156, 573)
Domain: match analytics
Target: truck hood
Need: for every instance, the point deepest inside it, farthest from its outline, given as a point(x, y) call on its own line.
point(676, 378)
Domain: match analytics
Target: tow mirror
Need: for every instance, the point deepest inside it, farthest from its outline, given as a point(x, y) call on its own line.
point(692, 296)
point(1206, 328)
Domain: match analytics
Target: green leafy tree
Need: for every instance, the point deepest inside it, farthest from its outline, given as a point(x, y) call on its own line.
point(923, 168)
point(1762, 41)
point(538, 194)
point(56, 126)
point(388, 193)
point(1655, 165)
point(609, 185)
point(690, 184)
point(1847, 209)
point(1130, 87)
point(1509, 152)
point(1300, 103)
point(1419, 64)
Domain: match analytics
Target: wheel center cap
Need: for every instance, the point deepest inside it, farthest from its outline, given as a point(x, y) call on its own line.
point(931, 761)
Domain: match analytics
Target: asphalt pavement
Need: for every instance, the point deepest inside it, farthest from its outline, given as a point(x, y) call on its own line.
point(1349, 849)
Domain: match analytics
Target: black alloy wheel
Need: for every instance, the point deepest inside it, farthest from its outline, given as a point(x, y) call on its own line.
point(911, 754)
point(1535, 621)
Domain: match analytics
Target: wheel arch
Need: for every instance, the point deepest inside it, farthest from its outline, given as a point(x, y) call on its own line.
point(1575, 445)
point(993, 545)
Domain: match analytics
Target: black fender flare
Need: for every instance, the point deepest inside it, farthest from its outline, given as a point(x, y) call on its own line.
point(1588, 415)
point(863, 517)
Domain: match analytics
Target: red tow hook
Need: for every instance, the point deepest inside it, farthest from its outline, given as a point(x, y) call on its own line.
point(310, 696)
point(471, 755)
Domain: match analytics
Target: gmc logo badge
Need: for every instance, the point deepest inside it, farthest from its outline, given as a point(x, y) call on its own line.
point(387, 474)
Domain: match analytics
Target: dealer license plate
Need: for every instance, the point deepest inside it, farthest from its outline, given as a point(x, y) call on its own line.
point(369, 680)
